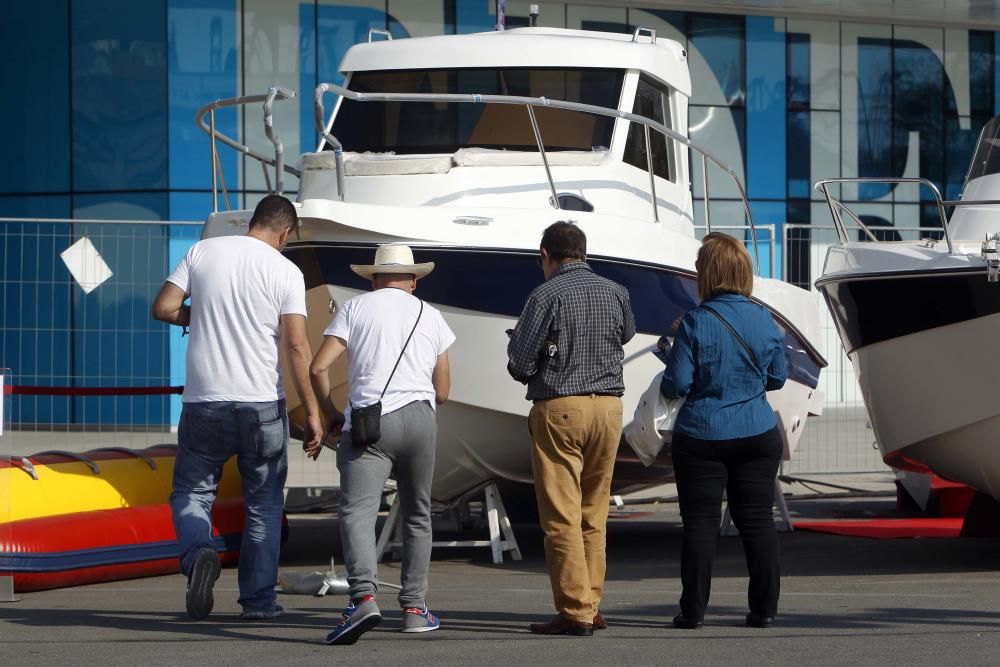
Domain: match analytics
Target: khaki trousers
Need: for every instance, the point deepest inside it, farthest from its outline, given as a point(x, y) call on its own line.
point(575, 443)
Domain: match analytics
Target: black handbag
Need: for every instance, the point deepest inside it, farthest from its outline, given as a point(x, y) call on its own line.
point(366, 421)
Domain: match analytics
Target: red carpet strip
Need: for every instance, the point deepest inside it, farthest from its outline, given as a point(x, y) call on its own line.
point(887, 529)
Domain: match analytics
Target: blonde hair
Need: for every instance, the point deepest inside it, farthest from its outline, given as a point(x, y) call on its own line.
point(723, 266)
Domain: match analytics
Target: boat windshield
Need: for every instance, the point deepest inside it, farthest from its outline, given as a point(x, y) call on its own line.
point(431, 127)
point(987, 158)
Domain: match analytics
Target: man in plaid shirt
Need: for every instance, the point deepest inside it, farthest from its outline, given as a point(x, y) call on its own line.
point(567, 347)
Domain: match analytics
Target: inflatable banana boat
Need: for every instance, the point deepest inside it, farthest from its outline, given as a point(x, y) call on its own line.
point(68, 519)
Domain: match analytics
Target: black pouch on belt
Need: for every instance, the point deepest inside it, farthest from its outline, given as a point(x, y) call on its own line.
point(366, 424)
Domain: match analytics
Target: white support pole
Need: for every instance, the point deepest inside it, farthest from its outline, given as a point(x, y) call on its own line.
point(6, 527)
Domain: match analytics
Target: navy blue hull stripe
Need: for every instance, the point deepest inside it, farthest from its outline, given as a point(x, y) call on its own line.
point(498, 281)
point(103, 556)
point(873, 308)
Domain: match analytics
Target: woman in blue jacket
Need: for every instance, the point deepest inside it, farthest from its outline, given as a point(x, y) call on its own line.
point(727, 353)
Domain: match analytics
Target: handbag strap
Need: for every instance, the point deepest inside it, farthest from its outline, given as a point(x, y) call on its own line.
point(400, 358)
point(735, 333)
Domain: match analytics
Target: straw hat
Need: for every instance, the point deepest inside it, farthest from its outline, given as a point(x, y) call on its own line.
point(393, 258)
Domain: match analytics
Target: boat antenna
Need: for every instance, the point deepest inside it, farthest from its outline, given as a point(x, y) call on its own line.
point(501, 14)
point(532, 15)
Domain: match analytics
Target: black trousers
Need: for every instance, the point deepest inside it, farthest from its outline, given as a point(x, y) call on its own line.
point(745, 468)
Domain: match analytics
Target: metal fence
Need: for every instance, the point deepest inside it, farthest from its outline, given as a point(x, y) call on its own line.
point(91, 368)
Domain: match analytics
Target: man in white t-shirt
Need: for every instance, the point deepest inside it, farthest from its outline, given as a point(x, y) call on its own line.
point(247, 305)
point(397, 348)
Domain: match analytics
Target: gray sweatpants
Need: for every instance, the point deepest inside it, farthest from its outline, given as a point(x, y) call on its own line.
point(406, 448)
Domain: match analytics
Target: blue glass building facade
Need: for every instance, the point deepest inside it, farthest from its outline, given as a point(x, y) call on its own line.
point(102, 95)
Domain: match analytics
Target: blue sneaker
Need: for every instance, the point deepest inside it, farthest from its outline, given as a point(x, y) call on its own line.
point(419, 620)
point(357, 620)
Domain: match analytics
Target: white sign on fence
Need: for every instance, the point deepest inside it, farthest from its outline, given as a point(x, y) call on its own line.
point(86, 264)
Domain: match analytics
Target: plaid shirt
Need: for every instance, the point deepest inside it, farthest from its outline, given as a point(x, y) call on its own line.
point(588, 318)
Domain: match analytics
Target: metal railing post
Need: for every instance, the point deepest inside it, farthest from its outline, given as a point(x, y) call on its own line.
point(215, 158)
point(545, 160)
point(704, 193)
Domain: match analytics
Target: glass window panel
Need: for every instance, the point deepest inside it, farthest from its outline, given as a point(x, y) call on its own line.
point(271, 43)
point(721, 130)
point(981, 66)
point(766, 107)
point(798, 70)
point(417, 19)
point(824, 150)
point(474, 16)
point(119, 95)
point(602, 19)
point(651, 101)
point(134, 206)
point(202, 66)
point(719, 41)
point(918, 97)
point(956, 71)
point(34, 63)
point(874, 86)
point(824, 54)
point(420, 127)
point(799, 165)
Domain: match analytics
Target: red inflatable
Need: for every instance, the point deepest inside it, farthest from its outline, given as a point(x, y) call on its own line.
point(106, 545)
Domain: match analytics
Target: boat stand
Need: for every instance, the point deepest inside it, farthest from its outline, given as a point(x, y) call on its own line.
point(727, 528)
point(501, 534)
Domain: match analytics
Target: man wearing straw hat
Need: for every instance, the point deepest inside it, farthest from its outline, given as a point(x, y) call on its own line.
point(398, 371)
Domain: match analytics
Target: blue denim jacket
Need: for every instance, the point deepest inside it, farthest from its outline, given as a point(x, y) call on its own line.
point(724, 388)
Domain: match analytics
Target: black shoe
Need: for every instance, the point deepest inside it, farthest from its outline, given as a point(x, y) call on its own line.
point(560, 625)
point(682, 622)
point(755, 621)
point(201, 580)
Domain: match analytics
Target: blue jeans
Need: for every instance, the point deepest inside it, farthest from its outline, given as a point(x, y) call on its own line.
point(208, 435)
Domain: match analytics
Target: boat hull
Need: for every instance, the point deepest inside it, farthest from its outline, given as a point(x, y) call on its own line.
point(922, 346)
point(483, 432)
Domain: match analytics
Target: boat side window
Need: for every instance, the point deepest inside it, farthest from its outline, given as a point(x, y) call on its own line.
point(651, 101)
point(444, 127)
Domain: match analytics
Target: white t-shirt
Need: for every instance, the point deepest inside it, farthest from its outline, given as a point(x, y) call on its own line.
point(239, 288)
point(375, 326)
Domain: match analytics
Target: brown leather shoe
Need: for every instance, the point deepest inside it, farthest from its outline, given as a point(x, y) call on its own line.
point(560, 625)
point(599, 622)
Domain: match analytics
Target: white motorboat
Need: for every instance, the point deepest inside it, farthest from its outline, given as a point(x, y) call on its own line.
point(466, 147)
point(917, 319)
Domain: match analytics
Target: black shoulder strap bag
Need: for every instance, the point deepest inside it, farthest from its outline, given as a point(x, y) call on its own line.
point(366, 422)
point(739, 338)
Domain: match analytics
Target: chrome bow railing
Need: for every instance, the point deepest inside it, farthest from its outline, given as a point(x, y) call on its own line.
point(838, 207)
point(324, 126)
point(274, 93)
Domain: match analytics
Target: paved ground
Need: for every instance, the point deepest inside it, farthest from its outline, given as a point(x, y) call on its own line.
point(844, 601)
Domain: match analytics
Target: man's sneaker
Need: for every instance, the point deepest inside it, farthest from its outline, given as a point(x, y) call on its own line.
point(201, 580)
point(262, 614)
point(419, 620)
point(359, 617)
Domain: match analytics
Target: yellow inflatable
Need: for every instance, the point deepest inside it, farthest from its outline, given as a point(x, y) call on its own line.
point(54, 484)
